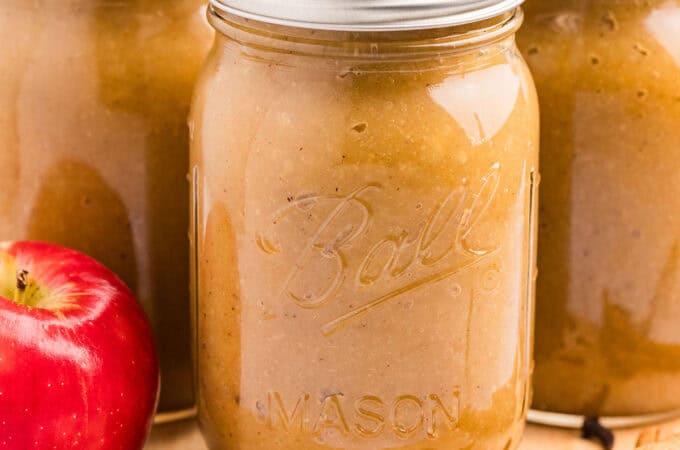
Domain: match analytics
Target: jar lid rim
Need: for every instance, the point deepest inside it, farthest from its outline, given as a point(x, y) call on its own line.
point(367, 15)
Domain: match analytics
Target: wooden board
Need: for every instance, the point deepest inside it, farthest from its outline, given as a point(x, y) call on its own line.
point(185, 436)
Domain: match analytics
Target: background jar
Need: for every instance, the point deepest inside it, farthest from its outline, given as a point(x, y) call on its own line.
point(363, 234)
point(608, 302)
point(94, 96)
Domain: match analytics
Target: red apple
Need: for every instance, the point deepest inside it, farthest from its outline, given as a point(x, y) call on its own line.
point(78, 365)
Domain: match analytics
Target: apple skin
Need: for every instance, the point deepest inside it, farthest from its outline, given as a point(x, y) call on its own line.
point(80, 372)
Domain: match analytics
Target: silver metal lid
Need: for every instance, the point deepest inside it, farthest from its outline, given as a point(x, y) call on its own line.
point(367, 15)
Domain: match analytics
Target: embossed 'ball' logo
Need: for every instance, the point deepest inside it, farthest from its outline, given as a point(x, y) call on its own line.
point(330, 252)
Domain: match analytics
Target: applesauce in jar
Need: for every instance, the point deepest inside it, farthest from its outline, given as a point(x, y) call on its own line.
point(364, 199)
point(608, 295)
point(94, 96)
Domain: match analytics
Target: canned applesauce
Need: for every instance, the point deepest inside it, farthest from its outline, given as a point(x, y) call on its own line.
point(608, 294)
point(364, 193)
point(94, 96)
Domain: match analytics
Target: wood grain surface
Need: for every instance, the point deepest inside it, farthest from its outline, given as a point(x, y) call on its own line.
point(185, 436)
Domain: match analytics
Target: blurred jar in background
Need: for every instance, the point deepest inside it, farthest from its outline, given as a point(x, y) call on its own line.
point(608, 298)
point(94, 96)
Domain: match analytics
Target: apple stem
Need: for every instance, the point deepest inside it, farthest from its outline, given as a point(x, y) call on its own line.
point(22, 284)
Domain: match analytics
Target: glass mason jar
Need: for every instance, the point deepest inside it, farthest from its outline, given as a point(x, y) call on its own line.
point(94, 96)
point(364, 198)
point(608, 77)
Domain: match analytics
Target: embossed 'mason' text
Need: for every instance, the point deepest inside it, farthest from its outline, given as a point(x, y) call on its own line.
point(368, 416)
